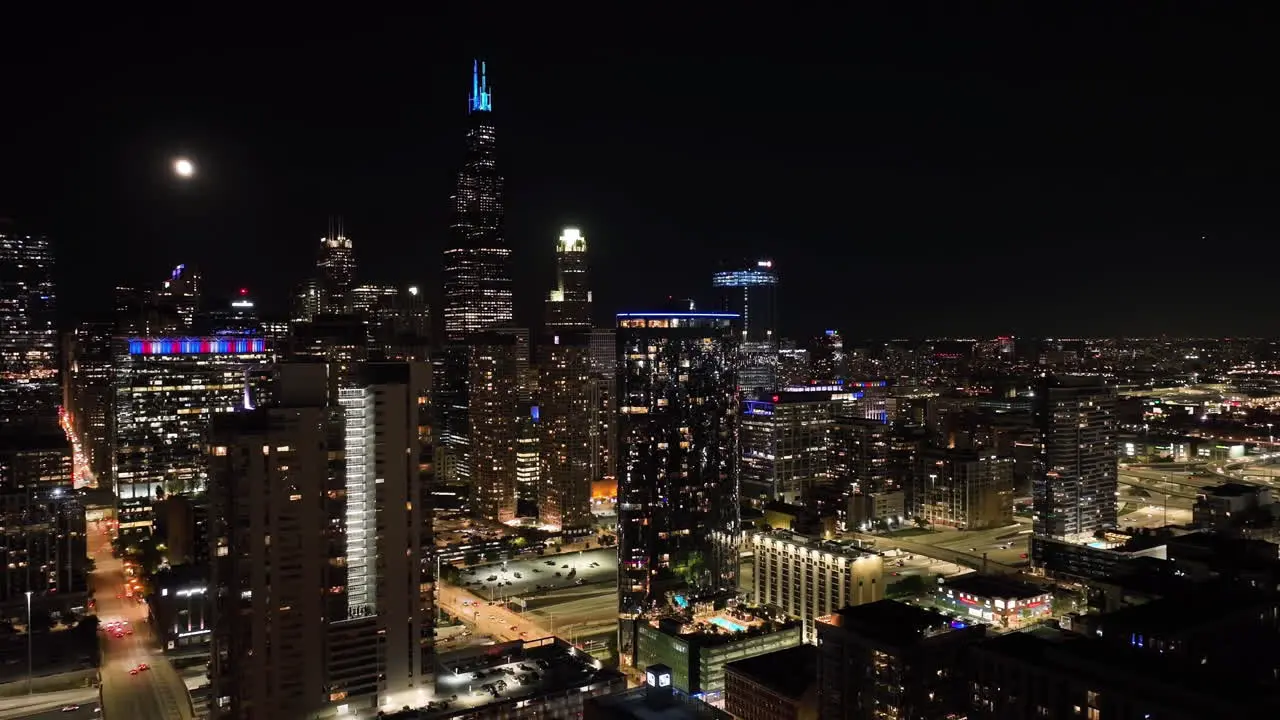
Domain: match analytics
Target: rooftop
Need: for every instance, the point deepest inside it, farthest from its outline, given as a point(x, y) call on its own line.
point(722, 627)
point(527, 669)
point(1231, 489)
point(890, 622)
point(788, 672)
point(990, 586)
point(847, 548)
point(634, 704)
point(1158, 678)
point(1180, 610)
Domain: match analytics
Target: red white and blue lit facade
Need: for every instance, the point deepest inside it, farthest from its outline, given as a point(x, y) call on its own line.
point(197, 346)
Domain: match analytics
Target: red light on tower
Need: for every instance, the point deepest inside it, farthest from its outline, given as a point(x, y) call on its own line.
point(244, 291)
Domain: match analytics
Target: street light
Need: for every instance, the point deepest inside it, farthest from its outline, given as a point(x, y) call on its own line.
point(30, 670)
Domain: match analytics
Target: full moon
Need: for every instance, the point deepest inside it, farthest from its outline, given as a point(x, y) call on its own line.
point(184, 168)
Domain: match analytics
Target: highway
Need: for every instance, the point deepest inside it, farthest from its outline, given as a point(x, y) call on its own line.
point(493, 620)
point(45, 706)
point(919, 545)
point(155, 694)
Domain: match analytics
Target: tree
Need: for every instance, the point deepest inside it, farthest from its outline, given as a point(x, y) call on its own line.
point(40, 621)
point(471, 558)
point(921, 522)
point(910, 585)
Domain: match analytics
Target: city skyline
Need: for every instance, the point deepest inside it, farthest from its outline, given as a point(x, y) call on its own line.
point(933, 160)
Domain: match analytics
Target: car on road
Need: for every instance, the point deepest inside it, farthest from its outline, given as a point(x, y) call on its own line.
point(514, 628)
point(133, 671)
point(70, 708)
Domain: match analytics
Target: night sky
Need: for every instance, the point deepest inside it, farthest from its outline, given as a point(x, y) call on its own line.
point(926, 175)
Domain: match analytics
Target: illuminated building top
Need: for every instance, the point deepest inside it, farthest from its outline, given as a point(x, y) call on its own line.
point(481, 98)
point(196, 346)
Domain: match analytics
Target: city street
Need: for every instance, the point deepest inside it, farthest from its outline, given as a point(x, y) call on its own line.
point(157, 693)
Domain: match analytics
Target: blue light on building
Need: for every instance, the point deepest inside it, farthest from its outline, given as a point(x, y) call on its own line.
point(481, 99)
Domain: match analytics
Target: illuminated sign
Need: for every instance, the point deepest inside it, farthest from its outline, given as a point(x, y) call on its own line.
point(743, 278)
point(196, 346)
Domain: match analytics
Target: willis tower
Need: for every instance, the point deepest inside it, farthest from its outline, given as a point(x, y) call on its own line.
point(477, 278)
point(477, 265)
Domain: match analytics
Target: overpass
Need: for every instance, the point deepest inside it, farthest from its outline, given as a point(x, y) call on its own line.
point(956, 557)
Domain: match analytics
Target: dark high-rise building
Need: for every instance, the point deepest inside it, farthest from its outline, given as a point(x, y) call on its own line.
point(751, 292)
point(477, 272)
point(335, 272)
point(1074, 492)
point(677, 454)
point(569, 305)
point(178, 299)
point(493, 404)
point(91, 392)
point(42, 526)
point(569, 412)
point(322, 546)
point(29, 388)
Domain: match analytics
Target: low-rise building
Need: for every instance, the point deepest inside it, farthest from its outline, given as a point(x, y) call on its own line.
point(521, 680)
point(997, 601)
point(807, 578)
point(181, 609)
point(657, 699)
point(1048, 675)
point(892, 660)
point(782, 685)
point(697, 650)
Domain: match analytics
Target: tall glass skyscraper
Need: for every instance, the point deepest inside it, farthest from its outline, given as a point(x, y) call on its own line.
point(336, 272)
point(751, 292)
point(29, 389)
point(569, 394)
point(477, 265)
point(677, 456)
point(569, 305)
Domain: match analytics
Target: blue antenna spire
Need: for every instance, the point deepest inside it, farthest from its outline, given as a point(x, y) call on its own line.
point(481, 99)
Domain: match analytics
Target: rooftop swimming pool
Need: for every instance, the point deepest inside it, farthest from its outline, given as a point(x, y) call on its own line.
point(729, 625)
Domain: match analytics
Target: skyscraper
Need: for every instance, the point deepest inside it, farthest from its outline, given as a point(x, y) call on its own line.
point(178, 299)
point(677, 454)
point(477, 272)
point(751, 292)
point(29, 389)
point(569, 304)
point(1074, 493)
point(569, 408)
point(335, 271)
point(493, 391)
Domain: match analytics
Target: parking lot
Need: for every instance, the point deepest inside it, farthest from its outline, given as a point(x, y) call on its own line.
point(523, 576)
